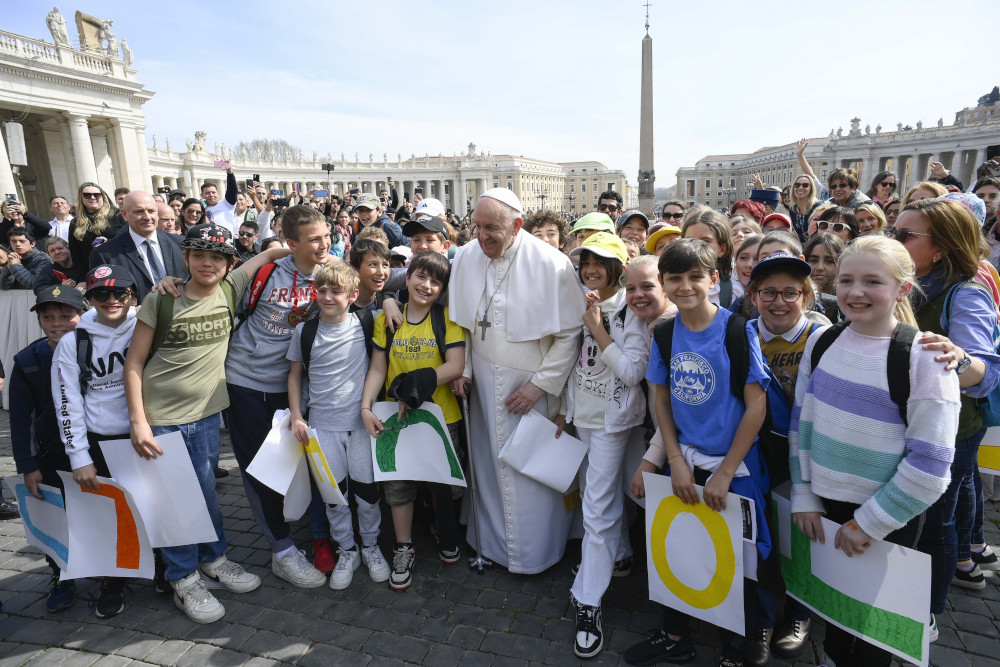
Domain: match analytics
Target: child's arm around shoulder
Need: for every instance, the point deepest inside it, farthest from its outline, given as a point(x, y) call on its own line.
point(251, 266)
point(135, 361)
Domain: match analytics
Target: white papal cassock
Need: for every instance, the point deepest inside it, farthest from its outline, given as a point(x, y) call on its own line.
point(535, 316)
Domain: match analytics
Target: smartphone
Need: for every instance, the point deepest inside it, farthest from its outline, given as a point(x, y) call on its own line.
point(163, 190)
point(321, 193)
point(354, 192)
point(249, 183)
point(418, 190)
point(278, 193)
point(281, 202)
point(11, 199)
point(222, 164)
point(256, 177)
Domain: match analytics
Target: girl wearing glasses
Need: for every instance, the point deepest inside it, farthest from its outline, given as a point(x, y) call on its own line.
point(945, 243)
point(803, 202)
point(839, 221)
point(96, 221)
point(883, 188)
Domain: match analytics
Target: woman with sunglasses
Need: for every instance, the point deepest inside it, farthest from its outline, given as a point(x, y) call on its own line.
point(803, 202)
point(192, 213)
point(843, 186)
point(883, 188)
point(946, 245)
point(840, 222)
point(97, 220)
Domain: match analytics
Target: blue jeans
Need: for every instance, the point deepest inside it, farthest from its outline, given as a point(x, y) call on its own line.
point(202, 440)
point(948, 526)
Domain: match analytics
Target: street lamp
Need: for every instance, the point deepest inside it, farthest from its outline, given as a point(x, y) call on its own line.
point(572, 198)
point(730, 192)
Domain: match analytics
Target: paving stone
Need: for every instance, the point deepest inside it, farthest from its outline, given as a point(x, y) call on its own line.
point(972, 623)
point(979, 644)
point(352, 659)
point(320, 655)
point(390, 645)
point(112, 661)
point(289, 649)
point(168, 652)
point(352, 638)
point(140, 647)
point(491, 598)
point(466, 636)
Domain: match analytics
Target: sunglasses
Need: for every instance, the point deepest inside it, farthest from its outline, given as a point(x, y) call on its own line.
point(104, 293)
point(837, 226)
point(902, 234)
point(91, 195)
point(801, 186)
point(603, 208)
point(787, 295)
point(838, 186)
point(247, 235)
point(673, 216)
point(887, 184)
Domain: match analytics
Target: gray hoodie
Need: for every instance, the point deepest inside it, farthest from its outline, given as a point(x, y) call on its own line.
point(258, 347)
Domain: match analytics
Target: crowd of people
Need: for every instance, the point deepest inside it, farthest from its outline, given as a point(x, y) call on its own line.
point(870, 317)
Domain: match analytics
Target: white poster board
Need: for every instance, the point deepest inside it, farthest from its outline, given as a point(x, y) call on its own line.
point(534, 451)
point(277, 460)
point(44, 520)
point(419, 450)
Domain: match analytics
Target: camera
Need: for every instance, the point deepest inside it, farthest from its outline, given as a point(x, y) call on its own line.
point(281, 202)
point(163, 190)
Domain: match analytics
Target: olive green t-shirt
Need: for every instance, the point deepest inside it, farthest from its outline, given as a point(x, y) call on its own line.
point(185, 380)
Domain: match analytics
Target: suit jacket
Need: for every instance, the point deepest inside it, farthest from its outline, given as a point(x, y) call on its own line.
point(121, 251)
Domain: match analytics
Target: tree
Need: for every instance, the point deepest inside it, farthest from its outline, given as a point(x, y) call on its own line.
point(261, 149)
point(991, 98)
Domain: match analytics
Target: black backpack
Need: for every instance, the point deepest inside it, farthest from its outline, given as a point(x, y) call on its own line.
point(45, 423)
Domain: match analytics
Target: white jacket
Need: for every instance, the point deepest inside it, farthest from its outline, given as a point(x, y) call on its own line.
point(103, 409)
point(628, 357)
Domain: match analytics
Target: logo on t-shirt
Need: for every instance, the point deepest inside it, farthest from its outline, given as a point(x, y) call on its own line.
point(692, 379)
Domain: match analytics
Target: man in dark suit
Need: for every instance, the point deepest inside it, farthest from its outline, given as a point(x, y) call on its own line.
point(148, 254)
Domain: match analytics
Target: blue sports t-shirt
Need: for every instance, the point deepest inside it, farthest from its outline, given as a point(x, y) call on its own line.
point(706, 413)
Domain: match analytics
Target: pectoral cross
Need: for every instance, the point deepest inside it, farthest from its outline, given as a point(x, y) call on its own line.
point(484, 324)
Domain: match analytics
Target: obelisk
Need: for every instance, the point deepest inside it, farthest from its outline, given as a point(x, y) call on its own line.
point(646, 174)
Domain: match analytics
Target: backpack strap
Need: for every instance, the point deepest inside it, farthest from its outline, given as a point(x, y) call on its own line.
point(898, 366)
point(308, 338)
point(663, 336)
point(825, 341)
point(84, 354)
point(260, 278)
point(738, 350)
point(367, 326)
point(440, 328)
point(726, 294)
point(164, 313)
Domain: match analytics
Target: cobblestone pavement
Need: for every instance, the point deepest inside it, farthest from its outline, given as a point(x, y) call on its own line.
point(449, 616)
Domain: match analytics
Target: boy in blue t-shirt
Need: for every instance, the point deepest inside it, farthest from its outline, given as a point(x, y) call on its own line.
point(708, 433)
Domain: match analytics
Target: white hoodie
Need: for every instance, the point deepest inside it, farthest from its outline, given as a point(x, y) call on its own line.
point(103, 410)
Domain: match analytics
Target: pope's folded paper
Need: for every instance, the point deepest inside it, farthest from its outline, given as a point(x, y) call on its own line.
point(534, 451)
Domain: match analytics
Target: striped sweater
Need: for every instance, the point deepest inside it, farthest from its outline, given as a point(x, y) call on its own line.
point(848, 441)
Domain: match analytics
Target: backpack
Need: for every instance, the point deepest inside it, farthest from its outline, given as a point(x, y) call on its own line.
point(165, 314)
point(257, 283)
point(989, 406)
point(39, 384)
point(777, 417)
point(726, 294)
point(897, 366)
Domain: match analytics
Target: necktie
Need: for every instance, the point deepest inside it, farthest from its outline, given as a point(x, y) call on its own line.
point(155, 266)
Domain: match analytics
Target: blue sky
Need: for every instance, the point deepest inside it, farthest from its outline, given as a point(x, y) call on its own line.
point(545, 79)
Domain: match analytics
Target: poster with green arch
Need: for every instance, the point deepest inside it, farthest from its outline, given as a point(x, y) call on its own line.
point(416, 448)
point(882, 595)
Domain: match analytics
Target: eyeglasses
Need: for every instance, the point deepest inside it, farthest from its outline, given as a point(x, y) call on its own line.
point(901, 234)
point(673, 216)
point(91, 195)
point(838, 186)
point(104, 293)
point(837, 226)
point(803, 186)
point(193, 211)
point(787, 295)
point(887, 184)
point(604, 208)
point(247, 235)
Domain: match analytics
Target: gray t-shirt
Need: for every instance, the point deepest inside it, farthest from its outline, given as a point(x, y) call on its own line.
point(338, 365)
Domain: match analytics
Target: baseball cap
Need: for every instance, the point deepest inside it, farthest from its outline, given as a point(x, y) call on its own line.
point(424, 223)
point(604, 244)
point(772, 197)
point(658, 231)
point(401, 251)
point(785, 220)
point(633, 213)
point(780, 261)
point(209, 236)
point(60, 294)
point(429, 206)
point(108, 275)
point(598, 221)
point(368, 201)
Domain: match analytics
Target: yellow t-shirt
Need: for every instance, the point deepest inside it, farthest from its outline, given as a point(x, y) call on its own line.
point(414, 346)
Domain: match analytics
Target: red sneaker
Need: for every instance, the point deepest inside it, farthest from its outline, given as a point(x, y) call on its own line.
point(323, 558)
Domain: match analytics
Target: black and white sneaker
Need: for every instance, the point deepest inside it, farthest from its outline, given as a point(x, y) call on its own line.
point(110, 601)
point(974, 580)
point(589, 636)
point(402, 567)
point(986, 559)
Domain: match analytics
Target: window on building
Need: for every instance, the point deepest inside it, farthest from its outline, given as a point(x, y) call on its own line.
point(708, 183)
point(689, 190)
point(732, 182)
point(572, 187)
point(720, 182)
point(583, 187)
point(496, 184)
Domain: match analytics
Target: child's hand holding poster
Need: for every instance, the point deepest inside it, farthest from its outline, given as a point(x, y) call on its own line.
point(418, 448)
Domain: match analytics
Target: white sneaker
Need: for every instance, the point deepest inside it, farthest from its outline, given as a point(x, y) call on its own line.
point(297, 570)
point(192, 596)
point(231, 575)
point(343, 574)
point(378, 568)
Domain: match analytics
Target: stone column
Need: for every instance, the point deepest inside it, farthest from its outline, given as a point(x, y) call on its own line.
point(83, 151)
point(140, 138)
point(463, 204)
point(7, 182)
point(980, 158)
point(59, 165)
point(127, 156)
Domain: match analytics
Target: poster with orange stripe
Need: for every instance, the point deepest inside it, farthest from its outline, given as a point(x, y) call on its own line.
point(107, 537)
point(989, 452)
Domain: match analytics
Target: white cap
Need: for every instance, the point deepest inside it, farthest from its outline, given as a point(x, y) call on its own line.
point(429, 206)
point(506, 196)
point(403, 251)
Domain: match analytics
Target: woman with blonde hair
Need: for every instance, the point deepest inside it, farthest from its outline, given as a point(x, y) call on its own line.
point(946, 245)
point(923, 190)
point(96, 220)
point(803, 201)
point(870, 219)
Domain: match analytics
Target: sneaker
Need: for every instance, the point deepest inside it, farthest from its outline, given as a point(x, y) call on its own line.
point(402, 567)
point(192, 596)
point(231, 575)
point(378, 569)
point(974, 579)
point(659, 647)
point(62, 594)
point(450, 556)
point(347, 562)
point(986, 559)
point(8, 510)
point(110, 601)
point(622, 568)
point(589, 636)
point(323, 559)
point(221, 473)
point(730, 662)
point(296, 570)
point(932, 630)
